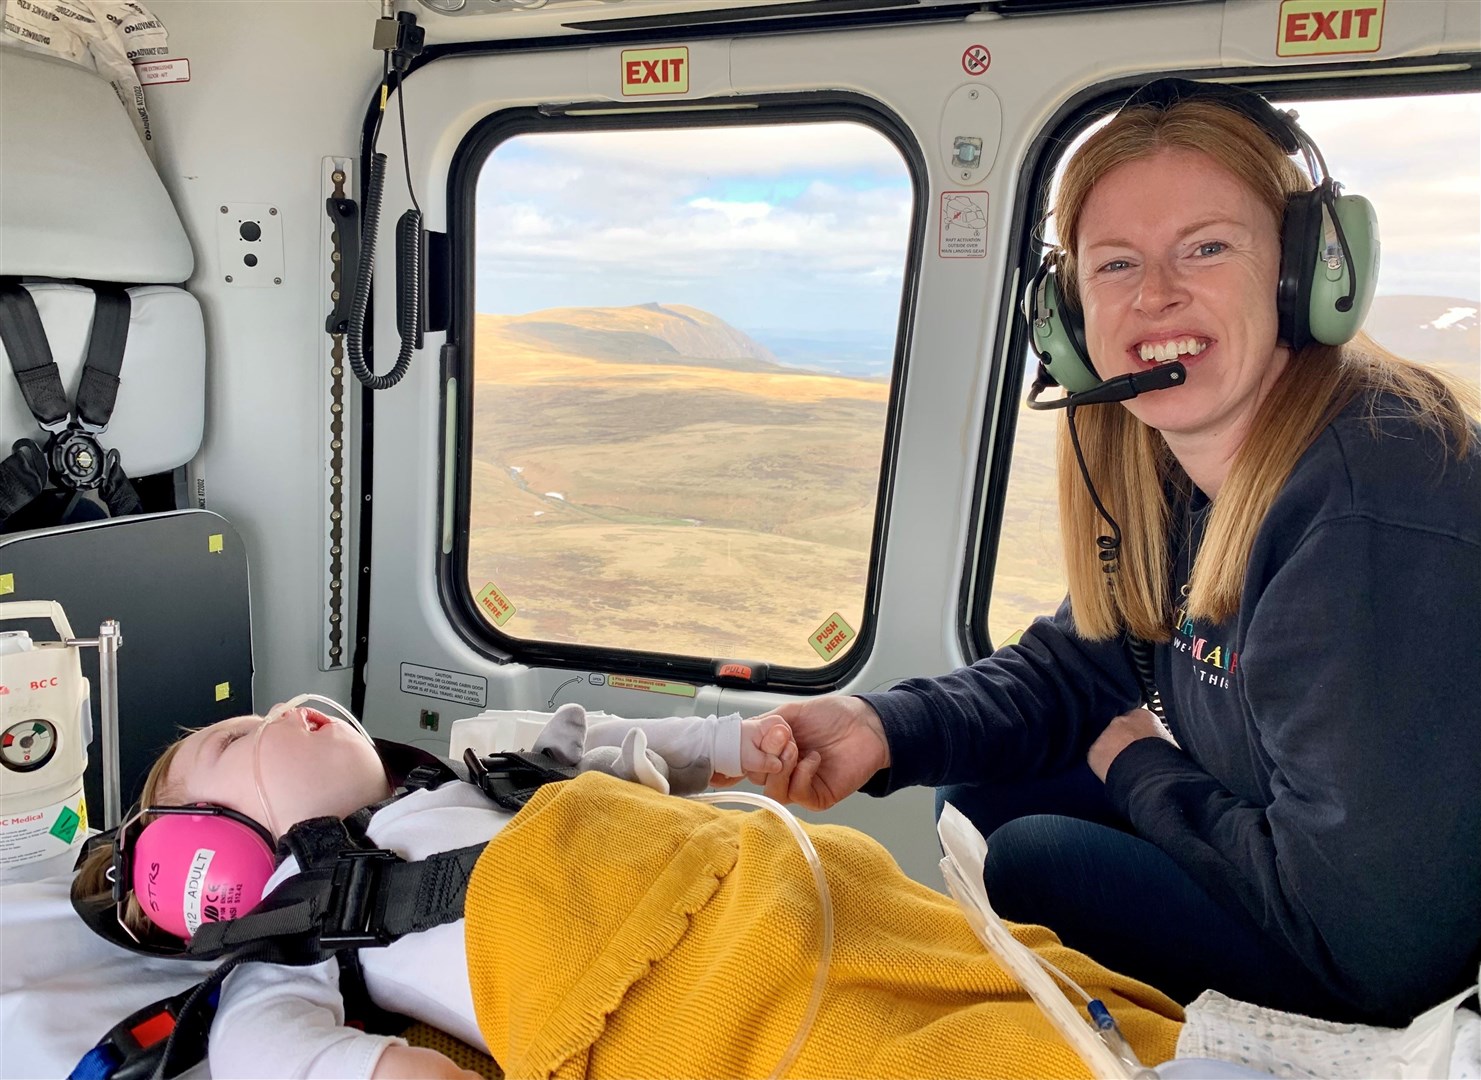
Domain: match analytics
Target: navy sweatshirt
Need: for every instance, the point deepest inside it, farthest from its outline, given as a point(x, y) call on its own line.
point(1328, 775)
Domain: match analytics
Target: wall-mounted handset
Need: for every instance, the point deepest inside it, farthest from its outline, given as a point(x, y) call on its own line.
point(401, 41)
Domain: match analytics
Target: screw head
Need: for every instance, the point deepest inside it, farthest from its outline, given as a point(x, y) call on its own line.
point(224, 210)
point(966, 175)
point(228, 277)
point(277, 281)
point(973, 94)
point(273, 210)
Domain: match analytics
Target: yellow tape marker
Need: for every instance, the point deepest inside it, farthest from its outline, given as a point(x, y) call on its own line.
point(829, 639)
point(1329, 27)
point(7, 584)
point(650, 686)
point(495, 604)
point(223, 691)
point(216, 542)
point(655, 71)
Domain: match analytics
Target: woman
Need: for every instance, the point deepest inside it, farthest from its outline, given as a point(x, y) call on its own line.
point(1301, 545)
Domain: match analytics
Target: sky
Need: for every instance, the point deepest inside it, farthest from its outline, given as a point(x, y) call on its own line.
point(802, 228)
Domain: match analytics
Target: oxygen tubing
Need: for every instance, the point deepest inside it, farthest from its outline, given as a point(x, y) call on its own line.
point(825, 902)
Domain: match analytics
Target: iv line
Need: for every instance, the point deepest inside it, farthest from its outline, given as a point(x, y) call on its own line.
point(825, 901)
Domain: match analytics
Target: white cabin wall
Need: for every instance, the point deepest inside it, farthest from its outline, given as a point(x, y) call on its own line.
point(274, 89)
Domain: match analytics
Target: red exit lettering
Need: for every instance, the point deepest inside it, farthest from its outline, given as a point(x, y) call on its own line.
point(1329, 25)
point(670, 70)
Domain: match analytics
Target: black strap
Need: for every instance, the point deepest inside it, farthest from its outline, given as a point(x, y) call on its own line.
point(36, 373)
point(117, 490)
point(512, 779)
point(98, 389)
point(22, 477)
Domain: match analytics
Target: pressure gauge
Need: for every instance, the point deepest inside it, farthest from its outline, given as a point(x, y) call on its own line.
point(28, 745)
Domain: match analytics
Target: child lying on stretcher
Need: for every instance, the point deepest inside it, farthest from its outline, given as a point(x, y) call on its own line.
point(300, 763)
point(611, 930)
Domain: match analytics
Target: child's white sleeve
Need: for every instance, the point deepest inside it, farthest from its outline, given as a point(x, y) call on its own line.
point(684, 742)
point(284, 1021)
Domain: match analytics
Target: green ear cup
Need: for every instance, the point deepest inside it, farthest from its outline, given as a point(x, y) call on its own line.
point(1329, 286)
point(1056, 335)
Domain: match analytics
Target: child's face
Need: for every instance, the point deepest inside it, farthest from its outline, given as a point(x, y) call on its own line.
point(310, 765)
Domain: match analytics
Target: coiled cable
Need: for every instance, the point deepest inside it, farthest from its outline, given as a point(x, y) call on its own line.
point(360, 305)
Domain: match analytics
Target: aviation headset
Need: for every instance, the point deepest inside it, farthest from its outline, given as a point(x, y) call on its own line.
point(1329, 251)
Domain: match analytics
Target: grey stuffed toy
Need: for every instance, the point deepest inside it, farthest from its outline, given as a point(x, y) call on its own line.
point(621, 747)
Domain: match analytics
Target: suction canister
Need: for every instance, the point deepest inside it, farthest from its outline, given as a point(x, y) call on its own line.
point(45, 727)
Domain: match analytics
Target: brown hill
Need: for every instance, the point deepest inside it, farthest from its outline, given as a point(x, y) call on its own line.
point(652, 333)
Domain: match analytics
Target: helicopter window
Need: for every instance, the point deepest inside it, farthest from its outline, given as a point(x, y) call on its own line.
point(683, 348)
point(1401, 153)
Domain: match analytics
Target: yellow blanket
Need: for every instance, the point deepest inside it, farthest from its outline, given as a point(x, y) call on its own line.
point(615, 932)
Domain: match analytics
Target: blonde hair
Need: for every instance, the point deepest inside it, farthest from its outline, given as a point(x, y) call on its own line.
point(1130, 464)
point(92, 876)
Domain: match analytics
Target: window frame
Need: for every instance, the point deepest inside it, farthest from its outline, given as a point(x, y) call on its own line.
point(482, 140)
point(1308, 82)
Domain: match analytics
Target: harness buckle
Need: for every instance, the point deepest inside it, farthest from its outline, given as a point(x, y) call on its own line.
point(77, 460)
point(353, 918)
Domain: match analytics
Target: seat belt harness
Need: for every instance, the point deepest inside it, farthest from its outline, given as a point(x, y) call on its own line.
point(74, 459)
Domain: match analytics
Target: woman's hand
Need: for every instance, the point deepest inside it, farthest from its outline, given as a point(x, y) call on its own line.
point(1119, 734)
point(840, 745)
point(418, 1063)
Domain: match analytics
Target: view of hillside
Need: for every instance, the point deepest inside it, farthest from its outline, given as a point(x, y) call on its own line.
point(654, 478)
point(651, 477)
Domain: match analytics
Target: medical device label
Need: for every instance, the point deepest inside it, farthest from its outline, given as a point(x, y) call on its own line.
point(444, 685)
point(1328, 27)
point(830, 638)
point(963, 225)
point(493, 603)
point(655, 71)
point(650, 686)
point(27, 836)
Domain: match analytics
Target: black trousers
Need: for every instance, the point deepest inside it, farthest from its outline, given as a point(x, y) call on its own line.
point(1059, 855)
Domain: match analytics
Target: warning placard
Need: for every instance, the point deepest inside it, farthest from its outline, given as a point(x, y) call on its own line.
point(493, 603)
point(651, 686)
point(1329, 27)
point(830, 638)
point(444, 685)
point(963, 225)
point(655, 71)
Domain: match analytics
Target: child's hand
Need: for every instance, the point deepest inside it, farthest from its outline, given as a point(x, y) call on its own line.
point(768, 751)
point(418, 1063)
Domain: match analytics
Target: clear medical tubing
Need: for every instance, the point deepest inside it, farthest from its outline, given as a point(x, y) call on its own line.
point(825, 902)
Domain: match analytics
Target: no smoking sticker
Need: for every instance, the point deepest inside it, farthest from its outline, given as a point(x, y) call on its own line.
point(976, 59)
point(963, 225)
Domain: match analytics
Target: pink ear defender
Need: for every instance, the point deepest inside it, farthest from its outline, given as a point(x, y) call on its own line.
point(196, 864)
point(205, 863)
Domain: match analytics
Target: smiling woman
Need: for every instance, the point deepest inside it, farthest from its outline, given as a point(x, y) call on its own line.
point(1268, 519)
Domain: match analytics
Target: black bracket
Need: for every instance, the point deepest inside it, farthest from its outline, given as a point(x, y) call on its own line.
point(345, 216)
